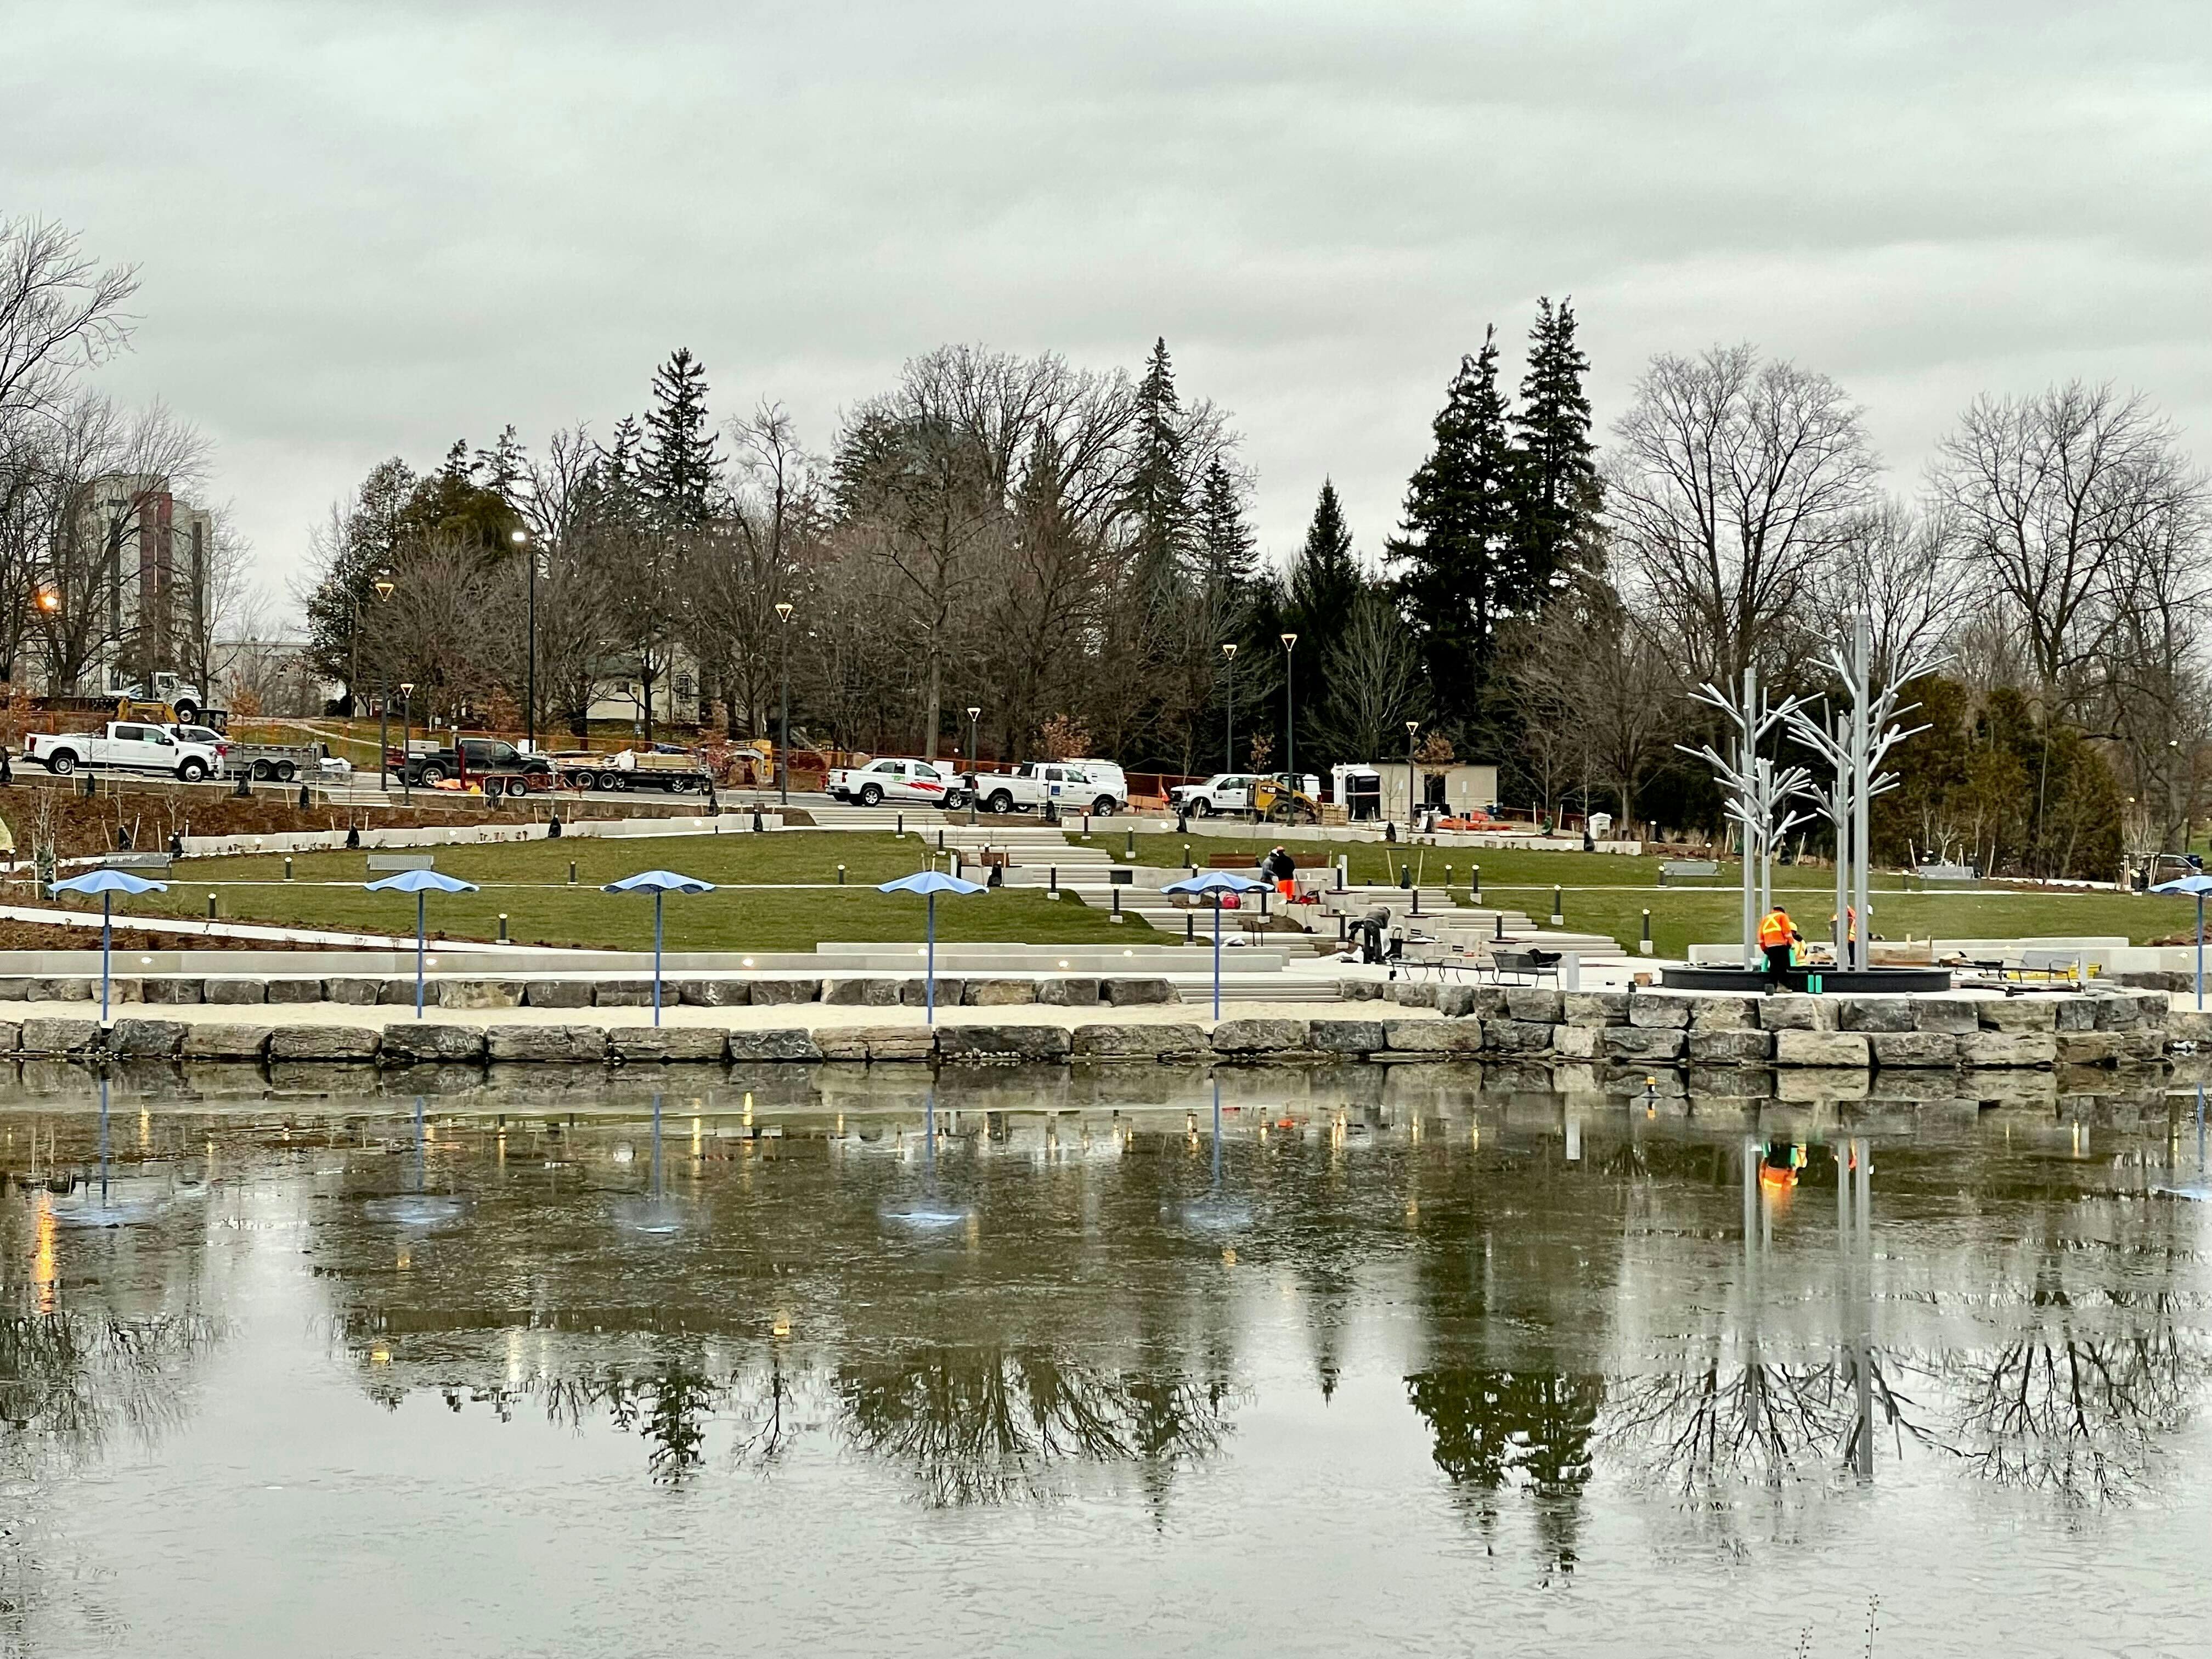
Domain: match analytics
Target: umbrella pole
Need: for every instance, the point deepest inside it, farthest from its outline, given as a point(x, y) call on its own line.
point(2200, 953)
point(107, 925)
point(1217, 956)
point(929, 967)
point(656, 958)
point(420, 900)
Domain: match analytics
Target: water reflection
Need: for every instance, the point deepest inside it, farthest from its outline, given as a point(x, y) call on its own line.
point(1582, 1308)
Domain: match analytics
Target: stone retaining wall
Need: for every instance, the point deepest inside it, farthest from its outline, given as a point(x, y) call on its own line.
point(860, 990)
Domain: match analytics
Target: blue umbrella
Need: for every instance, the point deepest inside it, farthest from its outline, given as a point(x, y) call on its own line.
point(931, 882)
point(1216, 882)
point(108, 883)
point(2197, 887)
point(660, 884)
point(420, 881)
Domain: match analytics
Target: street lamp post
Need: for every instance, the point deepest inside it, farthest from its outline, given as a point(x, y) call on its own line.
point(522, 539)
point(783, 740)
point(974, 750)
point(406, 716)
point(1290, 717)
point(1412, 727)
point(1229, 716)
point(384, 585)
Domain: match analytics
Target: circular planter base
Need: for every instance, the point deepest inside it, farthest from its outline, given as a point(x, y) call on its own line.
point(1895, 981)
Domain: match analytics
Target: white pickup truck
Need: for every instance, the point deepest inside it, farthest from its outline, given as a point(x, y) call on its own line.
point(1092, 786)
point(124, 742)
point(902, 782)
point(1222, 794)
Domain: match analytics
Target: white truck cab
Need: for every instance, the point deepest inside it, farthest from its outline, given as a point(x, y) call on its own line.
point(132, 744)
point(1224, 792)
point(902, 783)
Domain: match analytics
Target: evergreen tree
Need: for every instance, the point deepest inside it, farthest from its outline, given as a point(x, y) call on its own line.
point(1556, 488)
point(502, 468)
point(1460, 577)
point(1159, 494)
point(1225, 541)
point(1325, 581)
point(679, 462)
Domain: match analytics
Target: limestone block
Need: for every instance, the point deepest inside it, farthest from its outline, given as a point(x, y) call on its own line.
point(2016, 1014)
point(354, 993)
point(1519, 1036)
point(1797, 1014)
point(417, 1041)
point(635, 1043)
point(50, 1035)
point(11, 1035)
point(778, 992)
point(1079, 992)
point(15, 990)
point(2090, 1048)
point(783, 1045)
point(622, 994)
point(1000, 993)
point(1657, 1010)
point(479, 993)
point(1915, 1048)
point(64, 990)
point(293, 990)
point(881, 1043)
point(1456, 1001)
point(2143, 1047)
point(1536, 1002)
point(950, 993)
point(1578, 1041)
point(1953, 1016)
point(1138, 1041)
point(1407, 994)
point(1004, 1041)
point(1258, 1037)
point(1642, 1042)
point(868, 993)
point(2131, 1009)
point(1724, 1014)
point(1346, 1036)
point(323, 1042)
point(1436, 1037)
point(1798, 1046)
point(212, 1040)
point(400, 994)
point(717, 993)
point(1595, 1007)
point(1490, 1002)
point(2188, 1025)
point(147, 1038)
point(2075, 1014)
point(1725, 1048)
point(172, 990)
point(2030, 1047)
point(551, 1045)
point(1352, 990)
point(1130, 992)
point(557, 993)
point(1875, 1014)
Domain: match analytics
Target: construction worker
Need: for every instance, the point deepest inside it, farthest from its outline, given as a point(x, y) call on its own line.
point(1281, 868)
point(1777, 934)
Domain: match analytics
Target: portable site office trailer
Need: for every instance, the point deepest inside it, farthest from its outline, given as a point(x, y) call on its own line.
point(1457, 789)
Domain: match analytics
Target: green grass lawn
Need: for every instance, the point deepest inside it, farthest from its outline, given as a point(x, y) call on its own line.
point(1606, 894)
point(528, 881)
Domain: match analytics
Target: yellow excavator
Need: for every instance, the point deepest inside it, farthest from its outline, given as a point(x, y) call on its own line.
point(1278, 798)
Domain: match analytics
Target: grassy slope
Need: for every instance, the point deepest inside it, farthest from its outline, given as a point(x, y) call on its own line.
point(1608, 895)
point(530, 883)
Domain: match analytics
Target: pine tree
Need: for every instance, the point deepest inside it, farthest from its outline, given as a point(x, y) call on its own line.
point(1325, 581)
point(679, 464)
point(1456, 548)
point(1225, 541)
point(501, 468)
point(1557, 486)
point(1159, 494)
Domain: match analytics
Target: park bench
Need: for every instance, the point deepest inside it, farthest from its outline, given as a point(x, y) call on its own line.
point(1531, 965)
point(385, 864)
point(156, 864)
point(1687, 869)
point(1239, 861)
point(1928, 873)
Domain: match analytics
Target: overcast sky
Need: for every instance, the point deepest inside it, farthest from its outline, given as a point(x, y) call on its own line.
point(369, 227)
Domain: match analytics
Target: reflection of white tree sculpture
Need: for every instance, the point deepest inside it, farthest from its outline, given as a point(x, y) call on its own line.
point(1854, 742)
point(1758, 793)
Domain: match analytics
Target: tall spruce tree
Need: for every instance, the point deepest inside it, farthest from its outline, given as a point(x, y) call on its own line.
point(1461, 575)
point(1225, 552)
point(679, 464)
point(1159, 491)
point(1556, 488)
point(1325, 581)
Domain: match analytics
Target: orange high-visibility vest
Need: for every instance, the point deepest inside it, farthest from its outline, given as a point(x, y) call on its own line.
point(1774, 930)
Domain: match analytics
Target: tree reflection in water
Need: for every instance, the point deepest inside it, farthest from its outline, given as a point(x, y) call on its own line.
point(994, 1426)
point(1522, 1429)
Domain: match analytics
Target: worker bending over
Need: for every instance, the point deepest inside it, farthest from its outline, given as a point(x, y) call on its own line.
point(1777, 934)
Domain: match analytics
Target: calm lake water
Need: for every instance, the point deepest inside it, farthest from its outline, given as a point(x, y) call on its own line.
point(1395, 1364)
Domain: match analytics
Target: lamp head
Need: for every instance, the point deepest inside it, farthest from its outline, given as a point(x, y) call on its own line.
point(1290, 642)
point(406, 688)
point(518, 536)
point(975, 713)
point(783, 610)
point(1230, 651)
point(384, 584)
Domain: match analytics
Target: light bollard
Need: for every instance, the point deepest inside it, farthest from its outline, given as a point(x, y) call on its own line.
point(841, 875)
point(1559, 914)
point(1644, 945)
point(1474, 883)
point(572, 872)
point(502, 927)
point(287, 867)
point(210, 906)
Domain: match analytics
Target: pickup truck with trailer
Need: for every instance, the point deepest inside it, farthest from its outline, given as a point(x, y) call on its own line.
point(131, 744)
point(284, 762)
point(498, 766)
point(902, 782)
point(1075, 786)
